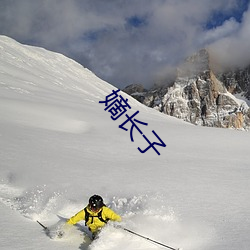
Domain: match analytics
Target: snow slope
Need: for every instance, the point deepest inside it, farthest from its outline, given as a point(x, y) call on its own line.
point(58, 147)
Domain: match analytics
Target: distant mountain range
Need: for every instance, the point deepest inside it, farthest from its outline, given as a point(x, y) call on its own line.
point(202, 94)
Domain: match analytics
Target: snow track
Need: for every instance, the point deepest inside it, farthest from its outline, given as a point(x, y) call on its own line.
point(144, 214)
point(32, 204)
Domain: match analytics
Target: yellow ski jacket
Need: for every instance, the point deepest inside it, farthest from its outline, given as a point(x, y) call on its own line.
point(94, 223)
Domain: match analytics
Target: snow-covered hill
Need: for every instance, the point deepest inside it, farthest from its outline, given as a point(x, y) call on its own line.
point(58, 146)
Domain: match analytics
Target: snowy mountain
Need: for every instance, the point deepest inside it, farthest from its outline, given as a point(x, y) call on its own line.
point(59, 146)
point(237, 81)
point(201, 95)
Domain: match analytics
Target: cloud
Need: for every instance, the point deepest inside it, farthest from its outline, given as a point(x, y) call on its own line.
point(121, 41)
point(228, 28)
point(233, 49)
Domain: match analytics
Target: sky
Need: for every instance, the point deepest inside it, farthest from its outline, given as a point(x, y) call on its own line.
point(132, 41)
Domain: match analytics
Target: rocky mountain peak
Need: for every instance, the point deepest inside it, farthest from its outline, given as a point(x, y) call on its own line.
point(196, 64)
point(200, 96)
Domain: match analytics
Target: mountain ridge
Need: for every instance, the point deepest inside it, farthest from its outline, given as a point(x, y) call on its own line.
point(201, 95)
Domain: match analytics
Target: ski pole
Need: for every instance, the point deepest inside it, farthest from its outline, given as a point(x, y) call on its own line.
point(45, 228)
point(146, 238)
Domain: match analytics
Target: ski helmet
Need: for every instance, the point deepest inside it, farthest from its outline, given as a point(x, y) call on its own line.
point(95, 202)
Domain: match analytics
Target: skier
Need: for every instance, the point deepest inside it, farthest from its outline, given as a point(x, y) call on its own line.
point(95, 214)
